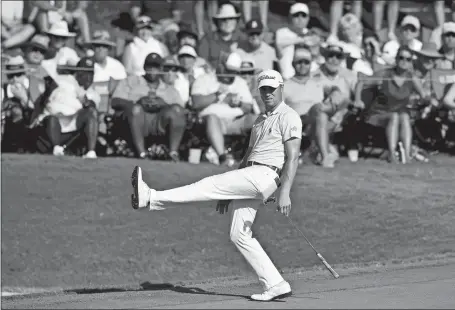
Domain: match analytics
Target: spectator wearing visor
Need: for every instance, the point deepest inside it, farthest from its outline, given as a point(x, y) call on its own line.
point(70, 109)
point(409, 32)
point(221, 40)
point(287, 37)
point(338, 84)
point(142, 45)
point(225, 103)
point(389, 110)
point(254, 46)
point(448, 47)
point(148, 107)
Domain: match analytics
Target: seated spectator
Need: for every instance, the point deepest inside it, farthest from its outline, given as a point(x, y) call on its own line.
point(409, 32)
point(302, 91)
point(338, 84)
point(51, 12)
point(255, 48)
point(70, 109)
point(212, 45)
point(142, 45)
point(312, 42)
point(187, 36)
point(225, 103)
point(20, 94)
point(394, 87)
point(34, 53)
point(448, 47)
point(194, 66)
point(14, 30)
point(426, 62)
point(173, 76)
point(150, 107)
point(287, 37)
point(59, 54)
point(436, 34)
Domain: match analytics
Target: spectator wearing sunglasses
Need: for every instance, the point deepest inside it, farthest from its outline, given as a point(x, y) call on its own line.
point(448, 47)
point(173, 75)
point(254, 46)
point(338, 84)
point(436, 34)
point(34, 53)
point(287, 37)
point(389, 110)
point(409, 32)
point(148, 107)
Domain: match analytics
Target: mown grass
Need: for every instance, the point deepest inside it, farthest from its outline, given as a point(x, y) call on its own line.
point(67, 222)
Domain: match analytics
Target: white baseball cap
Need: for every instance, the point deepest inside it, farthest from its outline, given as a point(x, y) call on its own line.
point(410, 20)
point(270, 78)
point(448, 27)
point(187, 50)
point(298, 8)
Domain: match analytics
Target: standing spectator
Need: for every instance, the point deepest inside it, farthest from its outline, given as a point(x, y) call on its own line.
point(409, 32)
point(394, 88)
point(263, 12)
point(302, 91)
point(221, 40)
point(448, 47)
point(336, 12)
point(436, 34)
point(59, 53)
point(198, 11)
point(14, 30)
point(50, 12)
point(150, 107)
point(339, 85)
point(70, 109)
point(287, 37)
point(255, 48)
point(225, 102)
point(142, 45)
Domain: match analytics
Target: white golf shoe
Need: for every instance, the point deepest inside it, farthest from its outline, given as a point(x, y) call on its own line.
point(279, 291)
point(143, 195)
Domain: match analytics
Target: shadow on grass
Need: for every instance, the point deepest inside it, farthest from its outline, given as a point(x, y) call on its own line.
point(147, 286)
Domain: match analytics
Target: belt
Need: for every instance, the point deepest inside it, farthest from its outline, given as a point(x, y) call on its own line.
point(276, 169)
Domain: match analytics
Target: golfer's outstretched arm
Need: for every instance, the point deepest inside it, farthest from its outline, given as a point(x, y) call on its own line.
point(292, 150)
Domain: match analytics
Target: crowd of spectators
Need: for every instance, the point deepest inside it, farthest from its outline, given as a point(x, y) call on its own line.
point(61, 81)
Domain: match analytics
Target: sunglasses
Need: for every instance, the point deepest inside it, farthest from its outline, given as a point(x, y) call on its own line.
point(300, 14)
point(13, 75)
point(449, 34)
point(410, 28)
point(409, 59)
point(302, 62)
point(170, 69)
point(338, 56)
point(37, 50)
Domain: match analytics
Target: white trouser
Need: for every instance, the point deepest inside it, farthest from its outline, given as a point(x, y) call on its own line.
point(246, 187)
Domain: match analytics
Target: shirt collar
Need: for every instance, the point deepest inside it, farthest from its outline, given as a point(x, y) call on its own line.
point(277, 109)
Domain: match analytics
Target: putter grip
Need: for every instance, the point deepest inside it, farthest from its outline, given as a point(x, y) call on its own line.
point(333, 272)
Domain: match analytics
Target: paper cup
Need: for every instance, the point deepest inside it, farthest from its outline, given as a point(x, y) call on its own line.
point(353, 155)
point(195, 156)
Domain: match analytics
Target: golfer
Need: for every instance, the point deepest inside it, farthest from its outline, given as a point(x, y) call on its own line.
point(270, 161)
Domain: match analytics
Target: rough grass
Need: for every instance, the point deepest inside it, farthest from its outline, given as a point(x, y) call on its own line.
point(67, 222)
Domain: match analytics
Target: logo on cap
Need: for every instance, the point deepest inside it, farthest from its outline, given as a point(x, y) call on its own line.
point(266, 77)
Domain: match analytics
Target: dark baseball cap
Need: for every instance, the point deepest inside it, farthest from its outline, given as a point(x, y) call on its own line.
point(254, 26)
point(86, 64)
point(153, 60)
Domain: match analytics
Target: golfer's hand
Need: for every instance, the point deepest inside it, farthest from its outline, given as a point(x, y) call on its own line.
point(284, 205)
point(222, 206)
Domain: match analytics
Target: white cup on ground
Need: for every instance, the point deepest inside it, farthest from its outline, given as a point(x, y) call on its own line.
point(353, 155)
point(195, 156)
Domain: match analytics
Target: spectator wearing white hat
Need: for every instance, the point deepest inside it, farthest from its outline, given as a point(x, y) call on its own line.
point(448, 47)
point(14, 30)
point(142, 45)
point(193, 65)
point(225, 103)
point(436, 34)
point(409, 32)
point(226, 34)
point(59, 54)
point(287, 37)
point(255, 48)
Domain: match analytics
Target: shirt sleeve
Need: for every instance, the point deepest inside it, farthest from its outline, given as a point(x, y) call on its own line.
point(205, 85)
point(291, 126)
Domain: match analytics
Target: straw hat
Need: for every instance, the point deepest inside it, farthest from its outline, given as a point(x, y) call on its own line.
point(101, 37)
point(60, 29)
point(227, 11)
point(39, 41)
point(429, 49)
point(15, 65)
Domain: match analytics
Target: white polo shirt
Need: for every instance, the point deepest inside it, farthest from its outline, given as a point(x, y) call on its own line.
point(112, 69)
point(270, 132)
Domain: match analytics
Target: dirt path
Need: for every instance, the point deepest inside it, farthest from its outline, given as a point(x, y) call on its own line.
point(430, 287)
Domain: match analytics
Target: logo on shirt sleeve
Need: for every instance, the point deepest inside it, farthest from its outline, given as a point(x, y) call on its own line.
point(294, 128)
